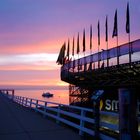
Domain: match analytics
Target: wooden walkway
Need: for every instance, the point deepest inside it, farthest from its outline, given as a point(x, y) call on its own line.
point(20, 123)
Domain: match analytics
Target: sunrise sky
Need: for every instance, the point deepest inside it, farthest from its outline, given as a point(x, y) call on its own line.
point(33, 31)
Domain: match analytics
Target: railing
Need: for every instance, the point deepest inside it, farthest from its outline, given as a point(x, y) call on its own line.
point(73, 116)
point(76, 117)
point(92, 61)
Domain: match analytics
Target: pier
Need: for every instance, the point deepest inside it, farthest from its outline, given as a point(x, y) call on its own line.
point(39, 119)
point(21, 123)
point(116, 70)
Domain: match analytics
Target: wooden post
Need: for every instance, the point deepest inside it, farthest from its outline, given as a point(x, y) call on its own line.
point(82, 122)
point(45, 108)
point(19, 100)
point(36, 106)
point(58, 114)
point(23, 101)
point(97, 119)
point(30, 103)
point(26, 102)
point(127, 114)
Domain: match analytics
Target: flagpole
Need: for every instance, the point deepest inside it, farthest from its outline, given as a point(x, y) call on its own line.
point(90, 51)
point(73, 53)
point(84, 48)
point(118, 51)
point(68, 62)
point(78, 50)
point(78, 62)
point(91, 58)
point(98, 57)
point(130, 50)
point(90, 39)
point(73, 63)
point(106, 25)
point(98, 44)
point(107, 53)
point(128, 31)
point(115, 33)
point(91, 45)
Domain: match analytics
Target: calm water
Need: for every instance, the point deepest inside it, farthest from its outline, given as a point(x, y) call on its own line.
point(59, 96)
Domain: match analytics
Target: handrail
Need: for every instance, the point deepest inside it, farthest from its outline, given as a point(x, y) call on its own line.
point(77, 117)
point(62, 112)
point(104, 55)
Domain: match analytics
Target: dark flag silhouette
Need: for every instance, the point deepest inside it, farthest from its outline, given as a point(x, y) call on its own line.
point(115, 30)
point(78, 50)
point(106, 39)
point(78, 47)
point(73, 47)
point(115, 33)
point(73, 54)
point(106, 29)
point(98, 33)
point(60, 59)
point(127, 19)
point(91, 37)
point(128, 31)
point(84, 41)
point(99, 44)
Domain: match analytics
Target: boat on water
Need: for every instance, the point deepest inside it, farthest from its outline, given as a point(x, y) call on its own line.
point(47, 94)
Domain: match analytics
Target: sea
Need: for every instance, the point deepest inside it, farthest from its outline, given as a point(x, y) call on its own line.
point(59, 96)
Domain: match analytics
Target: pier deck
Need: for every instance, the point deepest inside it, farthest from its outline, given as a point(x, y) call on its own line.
point(18, 122)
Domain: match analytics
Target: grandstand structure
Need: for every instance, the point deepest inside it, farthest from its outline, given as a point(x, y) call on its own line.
point(116, 70)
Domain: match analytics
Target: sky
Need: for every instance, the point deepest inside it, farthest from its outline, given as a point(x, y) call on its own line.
point(33, 31)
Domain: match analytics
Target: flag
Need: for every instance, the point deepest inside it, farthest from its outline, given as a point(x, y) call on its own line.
point(73, 47)
point(78, 47)
point(84, 41)
point(115, 30)
point(98, 33)
point(106, 29)
point(127, 19)
point(60, 59)
point(68, 50)
point(91, 37)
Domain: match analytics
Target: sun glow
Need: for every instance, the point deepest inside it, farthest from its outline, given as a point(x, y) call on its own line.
point(40, 61)
point(61, 83)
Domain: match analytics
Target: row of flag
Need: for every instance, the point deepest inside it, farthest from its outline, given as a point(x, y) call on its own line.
point(62, 58)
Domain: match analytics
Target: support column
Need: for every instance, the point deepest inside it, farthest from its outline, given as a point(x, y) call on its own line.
point(96, 97)
point(97, 119)
point(127, 114)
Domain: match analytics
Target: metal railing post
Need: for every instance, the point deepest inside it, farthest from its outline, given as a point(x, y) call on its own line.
point(26, 101)
point(45, 108)
point(58, 114)
point(36, 106)
point(20, 101)
point(82, 122)
point(30, 103)
point(23, 101)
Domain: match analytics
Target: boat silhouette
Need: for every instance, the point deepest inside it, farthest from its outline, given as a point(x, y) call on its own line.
point(47, 94)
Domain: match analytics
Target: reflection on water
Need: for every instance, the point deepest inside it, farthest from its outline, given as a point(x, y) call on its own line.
point(59, 96)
